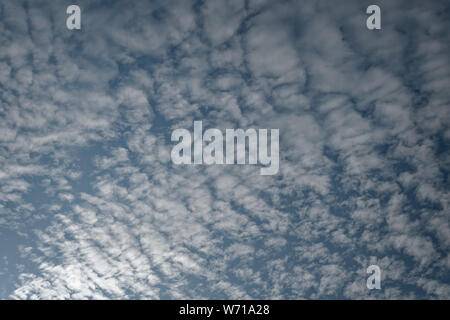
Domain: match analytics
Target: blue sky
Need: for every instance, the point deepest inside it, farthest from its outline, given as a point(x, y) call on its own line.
point(91, 206)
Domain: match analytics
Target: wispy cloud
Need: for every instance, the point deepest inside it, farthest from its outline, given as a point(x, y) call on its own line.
point(92, 207)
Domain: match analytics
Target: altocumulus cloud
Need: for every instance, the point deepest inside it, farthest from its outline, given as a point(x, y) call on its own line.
point(92, 207)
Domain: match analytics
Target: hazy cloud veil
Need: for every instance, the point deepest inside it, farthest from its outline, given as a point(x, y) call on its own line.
point(91, 205)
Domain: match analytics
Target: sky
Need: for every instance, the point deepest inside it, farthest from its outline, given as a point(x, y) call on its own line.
point(92, 207)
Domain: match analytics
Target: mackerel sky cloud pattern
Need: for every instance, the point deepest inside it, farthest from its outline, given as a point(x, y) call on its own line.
point(92, 207)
